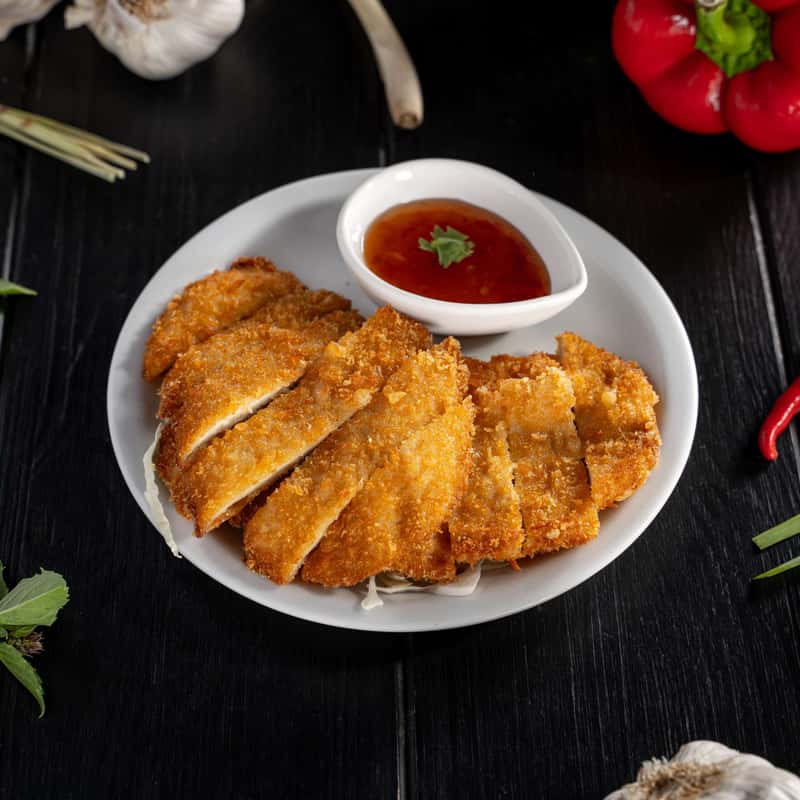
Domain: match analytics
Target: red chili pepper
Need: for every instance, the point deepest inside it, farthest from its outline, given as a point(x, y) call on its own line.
point(777, 421)
point(710, 66)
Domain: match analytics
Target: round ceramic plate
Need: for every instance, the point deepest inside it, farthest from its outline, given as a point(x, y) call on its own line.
point(624, 309)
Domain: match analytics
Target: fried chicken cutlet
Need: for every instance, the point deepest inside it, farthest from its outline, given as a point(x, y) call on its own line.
point(488, 522)
point(238, 465)
point(396, 521)
point(296, 515)
point(211, 304)
point(292, 311)
point(257, 362)
point(549, 474)
point(615, 415)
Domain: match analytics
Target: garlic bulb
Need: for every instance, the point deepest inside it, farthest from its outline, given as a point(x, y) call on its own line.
point(710, 771)
point(18, 12)
point(158, 38)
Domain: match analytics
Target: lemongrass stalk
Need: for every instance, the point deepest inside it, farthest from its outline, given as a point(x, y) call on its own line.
point(14, 133)
point(139, 155)
point(67, 144)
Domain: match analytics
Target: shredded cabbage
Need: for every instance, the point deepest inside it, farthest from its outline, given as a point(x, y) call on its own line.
point(393, 583)
point(373, 599)
point(151, 496)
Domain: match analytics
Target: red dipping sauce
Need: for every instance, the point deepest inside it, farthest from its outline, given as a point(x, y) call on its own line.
point(504, 266)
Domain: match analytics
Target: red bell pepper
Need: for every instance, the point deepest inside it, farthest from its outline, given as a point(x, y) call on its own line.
point(710, 66)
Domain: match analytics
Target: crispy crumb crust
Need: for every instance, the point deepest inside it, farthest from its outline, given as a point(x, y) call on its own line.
point(488, 373)
point(210, 305)
point(295, 517)
point(549, 474)
point(488, 523)
point(396, 522)
point(257, 362)
point(615, 415)
point(242, 462)
point(293, 311)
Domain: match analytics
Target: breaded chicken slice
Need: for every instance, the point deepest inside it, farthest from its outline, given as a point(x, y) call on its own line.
point(616, 419)
point(488, 373)
point(235, 467)
point(396, 521)
point(257, 362)
point(210, 305)
point(488, 522)
point(549, 474)
point(292, 311)
point(296, 515)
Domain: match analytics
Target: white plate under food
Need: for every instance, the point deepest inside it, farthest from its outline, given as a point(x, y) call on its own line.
point(623, 309)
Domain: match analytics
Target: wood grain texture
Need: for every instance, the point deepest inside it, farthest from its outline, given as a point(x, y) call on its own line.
point(160, 682)
point(668, 643)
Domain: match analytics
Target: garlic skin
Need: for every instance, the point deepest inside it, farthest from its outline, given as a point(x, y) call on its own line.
point(710, 771)
point(158, 39)
point(18, 12)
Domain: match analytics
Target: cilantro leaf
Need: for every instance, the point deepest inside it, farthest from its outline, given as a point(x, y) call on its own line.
point(451, 246)
point(34, 601)
point(3, 587)
point(7, 287)
point(23, 672)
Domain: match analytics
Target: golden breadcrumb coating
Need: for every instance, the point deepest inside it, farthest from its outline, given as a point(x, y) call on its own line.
point(488, 373)
point(297, 514)
point(210, 305)
point(396, 521)
point(549, 474)
point(616, 419)
point(236, 466)
point(488, 523)
point(292, 311)
point(257, 362)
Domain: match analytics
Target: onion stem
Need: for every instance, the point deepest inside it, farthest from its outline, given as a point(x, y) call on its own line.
point(787, 529)
point(86, 151)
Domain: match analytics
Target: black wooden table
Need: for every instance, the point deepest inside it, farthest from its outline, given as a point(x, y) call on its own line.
point(161, 682)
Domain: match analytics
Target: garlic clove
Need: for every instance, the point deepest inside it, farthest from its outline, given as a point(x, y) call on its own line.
point(19, 12)
point(158, 39)
point(710, 771)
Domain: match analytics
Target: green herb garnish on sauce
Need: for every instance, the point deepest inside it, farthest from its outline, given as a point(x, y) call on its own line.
point(451, 246)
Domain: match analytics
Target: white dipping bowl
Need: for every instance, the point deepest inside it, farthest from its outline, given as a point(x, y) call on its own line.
point(481, 186)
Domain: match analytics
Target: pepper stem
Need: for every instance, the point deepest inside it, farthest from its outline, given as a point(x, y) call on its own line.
point(734, 34)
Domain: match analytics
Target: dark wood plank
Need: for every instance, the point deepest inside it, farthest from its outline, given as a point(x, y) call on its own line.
point(159, 681)
point(776, 196)
point(668, 643)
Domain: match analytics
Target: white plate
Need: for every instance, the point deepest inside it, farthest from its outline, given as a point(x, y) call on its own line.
point(624, 309)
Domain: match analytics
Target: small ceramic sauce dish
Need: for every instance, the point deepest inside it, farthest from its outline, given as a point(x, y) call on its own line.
point(446, 179)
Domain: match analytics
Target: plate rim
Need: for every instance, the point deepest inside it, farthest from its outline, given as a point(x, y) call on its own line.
point(365, 622)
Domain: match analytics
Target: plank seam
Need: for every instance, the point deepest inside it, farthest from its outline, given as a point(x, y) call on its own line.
point(768, 282)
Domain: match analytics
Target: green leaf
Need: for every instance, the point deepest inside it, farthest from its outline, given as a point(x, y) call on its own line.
point(7, 287)
point(3, 633)
point(21, 632)
point(787, 529)
point(3, 587)
point(24, 673)
point(785, 567)
point(35, 601)
point(451, 246)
